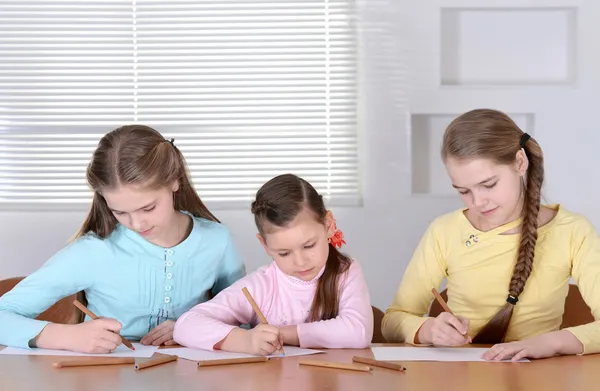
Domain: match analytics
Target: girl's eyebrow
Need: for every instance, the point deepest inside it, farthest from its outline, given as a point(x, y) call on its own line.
point(304, 244)
point(480, 183)
point(143, 207)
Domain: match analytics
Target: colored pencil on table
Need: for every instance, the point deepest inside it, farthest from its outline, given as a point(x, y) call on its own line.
point(336, 365)
point(89, 313)
point(163, 359)
point(94, 361)
point(377, 363)
point(259, 314)
point(229, 361)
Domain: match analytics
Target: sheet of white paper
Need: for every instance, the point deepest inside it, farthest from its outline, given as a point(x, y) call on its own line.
point(399, 353)
point(201, 355)
point(140, 351)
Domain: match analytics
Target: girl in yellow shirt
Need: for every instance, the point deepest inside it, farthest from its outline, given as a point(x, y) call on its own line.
point(507, 259)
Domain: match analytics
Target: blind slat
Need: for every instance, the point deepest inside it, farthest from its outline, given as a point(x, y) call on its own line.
point(249, 89)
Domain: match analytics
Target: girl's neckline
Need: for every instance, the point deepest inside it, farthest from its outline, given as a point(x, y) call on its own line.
point(297, 281)
point(513, 224)
point(190, 228)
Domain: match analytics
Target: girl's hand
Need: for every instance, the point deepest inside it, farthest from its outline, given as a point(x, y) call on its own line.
point(264, 340)
point(543, 346)
point(160, 335)
point(94, 336)
point(445, 330)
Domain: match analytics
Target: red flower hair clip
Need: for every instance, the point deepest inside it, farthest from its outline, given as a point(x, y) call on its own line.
point(337, 240)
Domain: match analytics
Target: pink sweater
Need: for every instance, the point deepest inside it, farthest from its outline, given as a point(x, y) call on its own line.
point(284, 300)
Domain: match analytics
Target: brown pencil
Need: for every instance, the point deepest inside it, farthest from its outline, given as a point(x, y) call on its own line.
point(163, 359)
point(93, 316)
point(259, 314)
point(336, 365)
point(440, 300)
point(447, 309)
point(229, 361)
point(93, 361)
point(377, 363)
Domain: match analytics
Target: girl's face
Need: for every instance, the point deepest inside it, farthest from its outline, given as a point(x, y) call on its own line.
point(492, 192)
point(300, 249)
point(148, 212)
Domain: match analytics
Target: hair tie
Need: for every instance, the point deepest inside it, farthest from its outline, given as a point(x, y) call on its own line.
point(170, 141)
point(259, 206)
point(512, 299)
point(524, 138)
point(337, 239)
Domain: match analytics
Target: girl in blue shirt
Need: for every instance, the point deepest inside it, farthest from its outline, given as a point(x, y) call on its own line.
point(148, 251)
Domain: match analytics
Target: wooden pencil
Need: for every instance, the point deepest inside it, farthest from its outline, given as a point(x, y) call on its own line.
point(447, 309)
point(163, 359)
point(440, 300)
point(94, 361)
point(259, 314)
point(336, 365)
point(89, 313)
point(377, 363)
point(230, 361)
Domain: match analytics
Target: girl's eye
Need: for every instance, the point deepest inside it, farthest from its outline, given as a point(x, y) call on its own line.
point(464, 192)
point(310, 245)
point(283, 254)
point(150, 209)
point(491, 186)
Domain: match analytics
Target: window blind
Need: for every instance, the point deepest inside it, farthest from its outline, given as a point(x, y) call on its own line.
point(248, 89)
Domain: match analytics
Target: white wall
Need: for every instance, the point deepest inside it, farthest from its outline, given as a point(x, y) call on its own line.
point(411, 73)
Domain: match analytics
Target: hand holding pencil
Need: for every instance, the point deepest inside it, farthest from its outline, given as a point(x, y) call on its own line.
point(101, 335)
point(265, 337)
point(446, 329)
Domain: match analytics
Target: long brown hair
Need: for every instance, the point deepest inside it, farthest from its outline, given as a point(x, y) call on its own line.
point(491, 134)
point(278, 202)
point(137, 155)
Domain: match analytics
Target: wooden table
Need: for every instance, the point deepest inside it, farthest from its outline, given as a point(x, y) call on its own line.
point(558, 374)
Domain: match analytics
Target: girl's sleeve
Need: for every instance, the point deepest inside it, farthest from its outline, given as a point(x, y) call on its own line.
point(208, 323)
point(67, 272)
point(586, 273)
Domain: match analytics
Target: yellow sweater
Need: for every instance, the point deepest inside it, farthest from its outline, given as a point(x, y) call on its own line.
point(478, 271)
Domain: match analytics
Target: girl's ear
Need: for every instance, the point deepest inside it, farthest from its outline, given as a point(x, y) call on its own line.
point(175, 186)
point(330, 226)
point(521, 162)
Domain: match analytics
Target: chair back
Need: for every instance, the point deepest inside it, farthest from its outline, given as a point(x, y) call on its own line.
point(62, 311)
point(377, 319)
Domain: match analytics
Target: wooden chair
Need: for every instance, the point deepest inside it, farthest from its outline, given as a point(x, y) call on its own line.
point(576, 311)
point(61, 312)
point(377, 319)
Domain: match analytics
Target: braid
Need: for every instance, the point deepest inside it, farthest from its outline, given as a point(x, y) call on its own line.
point(529, 228)
point(495, 330)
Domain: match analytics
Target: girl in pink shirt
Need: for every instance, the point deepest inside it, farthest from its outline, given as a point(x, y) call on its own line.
point(312, 295)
